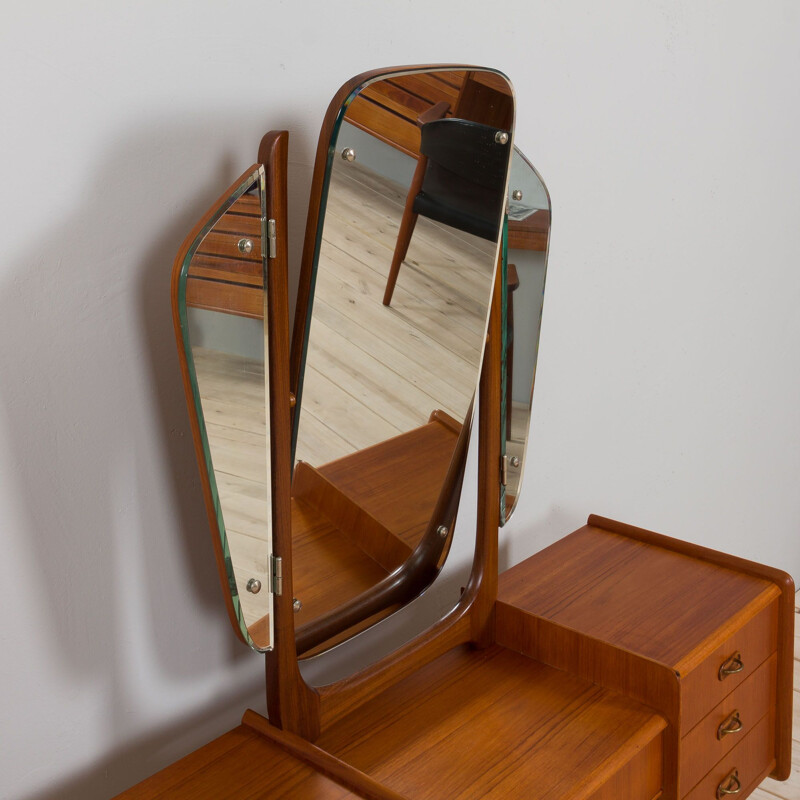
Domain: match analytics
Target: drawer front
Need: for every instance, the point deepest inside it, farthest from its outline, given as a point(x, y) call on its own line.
point(741, 767)
point(245, 301)
point(741, 654)
point(236, 245)
point(728, 724)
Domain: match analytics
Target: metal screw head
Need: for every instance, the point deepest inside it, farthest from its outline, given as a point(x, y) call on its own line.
point(348, 154)
point(442, 531)
point(501, 137)
point(245, 245)
point(514, 461)
point(296, 605)
point(254, 585)
point(516, 194)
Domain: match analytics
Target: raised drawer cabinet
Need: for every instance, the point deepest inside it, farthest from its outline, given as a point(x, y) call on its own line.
point(626, 665)
point(704, 638)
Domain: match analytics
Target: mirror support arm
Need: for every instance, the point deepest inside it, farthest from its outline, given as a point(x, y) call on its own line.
point(470, 620)
point(292, 704)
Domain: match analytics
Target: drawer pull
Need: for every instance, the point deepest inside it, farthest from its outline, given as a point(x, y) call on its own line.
point(245, 246)
point(730, 785)
point(731, 665)
point(731, 725)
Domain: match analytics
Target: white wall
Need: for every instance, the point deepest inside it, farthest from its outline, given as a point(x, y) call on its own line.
point(668, 382)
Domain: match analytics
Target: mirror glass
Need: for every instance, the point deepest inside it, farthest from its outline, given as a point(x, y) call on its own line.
point(526, 266)
point(407, 246)
point(221, 303)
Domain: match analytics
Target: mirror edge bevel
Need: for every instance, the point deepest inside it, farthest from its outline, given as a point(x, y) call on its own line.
point(255, 175)
point(505, 516)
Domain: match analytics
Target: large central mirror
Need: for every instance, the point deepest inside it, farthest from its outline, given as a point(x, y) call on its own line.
point(391, 328)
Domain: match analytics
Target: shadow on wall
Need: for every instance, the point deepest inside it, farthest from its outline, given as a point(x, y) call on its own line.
point(126, 766)
point(113, 516)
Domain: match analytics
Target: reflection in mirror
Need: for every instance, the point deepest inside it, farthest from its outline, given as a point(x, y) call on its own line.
point(526, 267)
point(396, 324)
point(221, 302)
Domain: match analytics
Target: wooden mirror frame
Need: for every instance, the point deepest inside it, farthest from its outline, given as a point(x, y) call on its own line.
point(419, 570)
point(293, 704)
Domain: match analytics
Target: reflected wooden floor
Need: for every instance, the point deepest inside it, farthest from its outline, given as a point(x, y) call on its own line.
point(373, 372)
point(232, 393)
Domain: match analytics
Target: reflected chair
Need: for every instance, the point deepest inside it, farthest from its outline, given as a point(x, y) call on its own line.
point(459, 181)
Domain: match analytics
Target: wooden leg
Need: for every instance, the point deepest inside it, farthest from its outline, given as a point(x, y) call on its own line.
point(406, 229)
point(401, 248)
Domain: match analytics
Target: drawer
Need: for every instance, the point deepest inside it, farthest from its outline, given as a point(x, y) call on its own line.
point(741, 710)
point(232, 270)
point(241, 224)
point(245, 301)
point(227, 245)
point(746, 763)
point(706, 685)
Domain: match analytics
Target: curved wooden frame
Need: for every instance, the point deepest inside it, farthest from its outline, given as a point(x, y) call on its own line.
point(197, 437)
point(423, 565)
point(415, 574)
point(297, 707)
point(293, 704)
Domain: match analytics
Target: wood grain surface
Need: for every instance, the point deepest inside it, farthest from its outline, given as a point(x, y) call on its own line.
point(494, 724)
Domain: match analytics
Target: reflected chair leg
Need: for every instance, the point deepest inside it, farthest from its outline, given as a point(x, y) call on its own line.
point(401, 249)
point(406, 229)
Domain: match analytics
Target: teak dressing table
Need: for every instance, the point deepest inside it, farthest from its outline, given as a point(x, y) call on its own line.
point(616, 663)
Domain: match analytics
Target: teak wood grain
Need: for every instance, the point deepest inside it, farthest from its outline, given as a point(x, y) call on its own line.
point(646, 599)
point(786, 622)
point(294, 705)
point(643, 614)
point(370, 476)
point(256, 760)
point(389, 501)
point(240, 764)
point(221, 277)
point(748, 758)
point(366, 532)
point(754, 699)
point(494, 724)
point(472, 618)
point(291, 702)
point(544, 685)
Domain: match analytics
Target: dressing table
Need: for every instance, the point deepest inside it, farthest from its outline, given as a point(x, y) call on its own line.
point(617, 663)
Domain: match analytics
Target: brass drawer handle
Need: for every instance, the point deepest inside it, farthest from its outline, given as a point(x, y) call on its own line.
point(731, 665)
point(731, 725)
point(729, 785)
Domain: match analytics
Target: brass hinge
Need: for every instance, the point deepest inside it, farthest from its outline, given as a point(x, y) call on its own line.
point(272, 238)
point(277, 575)
point(504, 470)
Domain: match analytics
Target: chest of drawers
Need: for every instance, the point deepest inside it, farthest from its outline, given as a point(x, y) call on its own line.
point(704, 638)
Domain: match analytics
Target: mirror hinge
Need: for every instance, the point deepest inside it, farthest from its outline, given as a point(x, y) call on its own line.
point(272, 238)
point(504, 470)
point(277, 575)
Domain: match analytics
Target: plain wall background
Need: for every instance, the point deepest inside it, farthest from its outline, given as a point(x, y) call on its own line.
point(668, 389)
